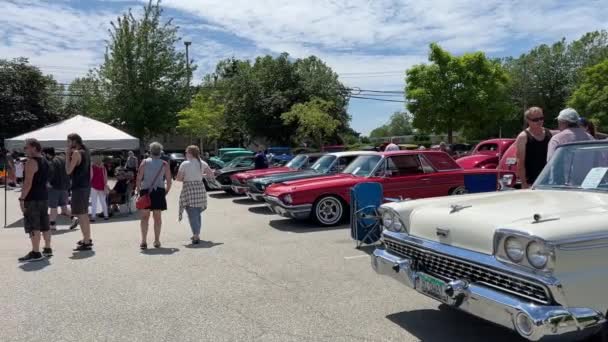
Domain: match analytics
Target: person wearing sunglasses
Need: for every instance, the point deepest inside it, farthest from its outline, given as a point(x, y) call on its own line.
point(532, 145)
point(568, 122)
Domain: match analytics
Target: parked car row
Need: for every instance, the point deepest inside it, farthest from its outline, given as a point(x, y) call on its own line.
point(317, 186)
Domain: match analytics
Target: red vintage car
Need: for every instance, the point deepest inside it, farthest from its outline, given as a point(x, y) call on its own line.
point(301, 161)
point(486, 154)
point(403, 174)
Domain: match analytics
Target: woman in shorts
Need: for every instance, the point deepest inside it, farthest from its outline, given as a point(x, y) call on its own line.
point(153, 179)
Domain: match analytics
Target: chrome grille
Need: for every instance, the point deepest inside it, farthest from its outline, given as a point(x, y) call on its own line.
point(450, 268)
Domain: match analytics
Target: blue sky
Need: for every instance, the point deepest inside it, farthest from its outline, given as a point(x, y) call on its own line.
point(369, 44)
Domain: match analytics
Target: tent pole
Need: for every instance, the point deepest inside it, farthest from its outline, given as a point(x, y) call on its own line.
point(5, 190)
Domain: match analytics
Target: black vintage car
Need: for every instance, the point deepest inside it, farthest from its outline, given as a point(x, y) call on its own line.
point(239, 164)
point(175, 160)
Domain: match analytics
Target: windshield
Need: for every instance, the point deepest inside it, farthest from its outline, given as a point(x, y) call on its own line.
point(583, 166)
point(488, 148)
point(324, 163)
point(298, 162)
point(178, 156)
point(362, 166)
point(238, 161)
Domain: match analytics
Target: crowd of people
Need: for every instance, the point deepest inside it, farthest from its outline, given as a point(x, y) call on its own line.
point(77, 183)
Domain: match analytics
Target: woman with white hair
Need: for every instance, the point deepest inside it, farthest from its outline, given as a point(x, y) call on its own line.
point(154, 180)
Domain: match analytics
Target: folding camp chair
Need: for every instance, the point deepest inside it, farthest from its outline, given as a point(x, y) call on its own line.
point(477, 183)
point(365, 220)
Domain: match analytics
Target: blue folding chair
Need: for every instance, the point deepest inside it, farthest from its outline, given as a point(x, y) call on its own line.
point(480, 183)
point(365, 221)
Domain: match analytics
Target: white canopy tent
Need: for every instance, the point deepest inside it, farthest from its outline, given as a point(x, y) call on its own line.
point(95, 134)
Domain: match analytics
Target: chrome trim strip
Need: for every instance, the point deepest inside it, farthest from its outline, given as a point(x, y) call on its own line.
point(580, 239)
point(294, 208)
point(484, 261)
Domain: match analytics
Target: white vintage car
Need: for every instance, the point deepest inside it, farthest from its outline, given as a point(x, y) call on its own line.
point(535, 261)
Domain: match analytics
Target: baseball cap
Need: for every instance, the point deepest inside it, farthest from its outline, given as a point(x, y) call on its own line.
point(568, 115)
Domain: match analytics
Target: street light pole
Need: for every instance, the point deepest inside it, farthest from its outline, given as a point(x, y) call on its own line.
point(187, 43)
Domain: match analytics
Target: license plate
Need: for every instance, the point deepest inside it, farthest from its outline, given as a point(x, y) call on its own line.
point(511, 161)
point(432, 287)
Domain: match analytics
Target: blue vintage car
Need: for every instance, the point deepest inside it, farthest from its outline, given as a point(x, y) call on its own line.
point(280, 155)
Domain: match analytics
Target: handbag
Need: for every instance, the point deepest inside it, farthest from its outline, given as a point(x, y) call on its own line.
point(144, 202)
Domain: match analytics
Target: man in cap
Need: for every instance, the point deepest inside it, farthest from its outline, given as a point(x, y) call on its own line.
point(392, 146)
point(568, 122)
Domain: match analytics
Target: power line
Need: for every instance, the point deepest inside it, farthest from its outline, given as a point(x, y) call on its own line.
point(375, 99)
point(372, 72)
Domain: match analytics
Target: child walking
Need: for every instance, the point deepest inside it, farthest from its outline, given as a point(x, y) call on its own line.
point(99, 188)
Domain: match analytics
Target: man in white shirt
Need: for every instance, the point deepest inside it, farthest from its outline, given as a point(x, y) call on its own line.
point(391, 147)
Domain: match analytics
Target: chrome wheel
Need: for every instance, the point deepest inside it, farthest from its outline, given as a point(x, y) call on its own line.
point(461, 190)
point(329, 211)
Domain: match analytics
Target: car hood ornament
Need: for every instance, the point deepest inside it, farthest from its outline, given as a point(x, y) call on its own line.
point(458, 207)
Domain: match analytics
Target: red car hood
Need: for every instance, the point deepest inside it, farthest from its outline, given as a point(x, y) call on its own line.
point(262, 172)
point(474, 161)
point(318, 183)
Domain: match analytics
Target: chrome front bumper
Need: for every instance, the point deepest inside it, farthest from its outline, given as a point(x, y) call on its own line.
point(241, 190)
point(299, 212)
point(256, 196)
point(495, 306)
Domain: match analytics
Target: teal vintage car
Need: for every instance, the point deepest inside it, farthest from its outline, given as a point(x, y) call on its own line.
point(227, 154)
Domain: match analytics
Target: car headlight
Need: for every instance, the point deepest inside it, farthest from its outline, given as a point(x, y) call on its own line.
point(524, 249)
point(387, 219)
point(392, 222)
point(537, 254)
point(514, 249)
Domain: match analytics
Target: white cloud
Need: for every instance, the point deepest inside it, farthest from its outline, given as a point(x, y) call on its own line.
point(401, 27)
point(61, 40)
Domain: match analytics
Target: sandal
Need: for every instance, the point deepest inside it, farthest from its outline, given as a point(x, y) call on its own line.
point(81, 242)
point(157, 244)
point(143, 246)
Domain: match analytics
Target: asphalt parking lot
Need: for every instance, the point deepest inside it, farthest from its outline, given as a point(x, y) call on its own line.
point(257, 277)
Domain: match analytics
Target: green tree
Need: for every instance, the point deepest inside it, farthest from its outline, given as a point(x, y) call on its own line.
point(28, 98)
point(255, 95)
point(85, 97)
point(313, 120)
point(381, 132)
point(548, 74)
point(399, 124)
point(451, 93)
point(144, 77)
point(591, 96)
point(202, 118)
